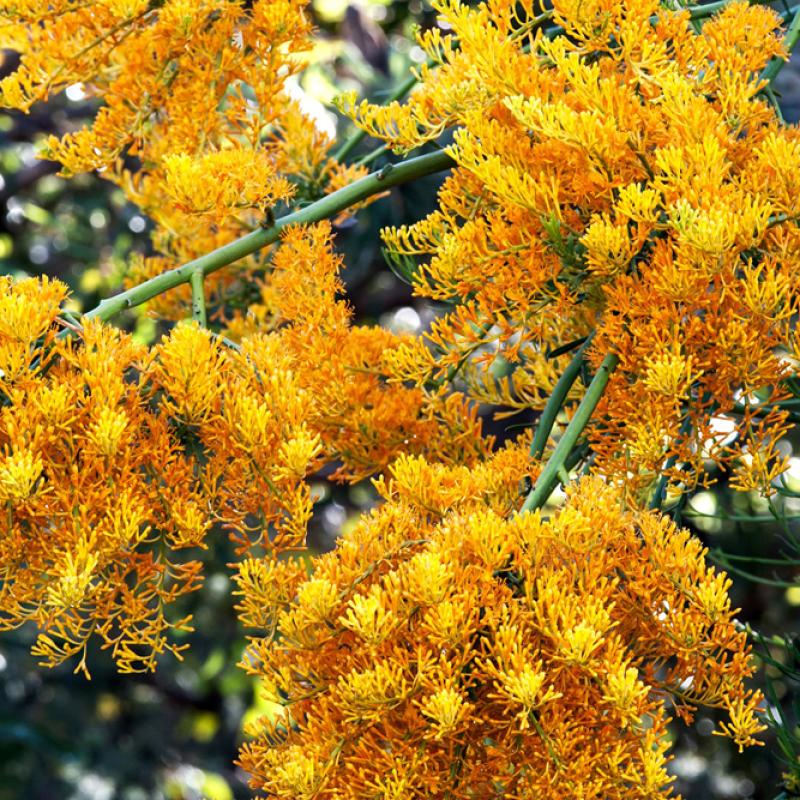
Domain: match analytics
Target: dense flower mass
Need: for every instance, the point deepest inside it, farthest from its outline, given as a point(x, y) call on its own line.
point(118, 462)
point(101, 481)
point(200, 125)
point(445, 649)
point(629, 177)
point(622, 208)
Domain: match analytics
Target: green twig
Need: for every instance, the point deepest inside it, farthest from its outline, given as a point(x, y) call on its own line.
point(788, 561)
point(70, 320)
point(550, 474)
point(371, 156)
point(198, 298)
point(556, 401)
point(719, 556)
point(709, 9)
point(328, 206)
point(765, 518)
point(773, 101)
point(790, 39)
point(775, 641)
point(763, 410)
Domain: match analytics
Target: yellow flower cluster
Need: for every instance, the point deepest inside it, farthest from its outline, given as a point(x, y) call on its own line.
point(446, 649)
point(199, 125)
point(118, 462)
point(629, 177)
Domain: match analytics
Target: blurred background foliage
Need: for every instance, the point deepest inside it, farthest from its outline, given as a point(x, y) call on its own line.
point(174, 735)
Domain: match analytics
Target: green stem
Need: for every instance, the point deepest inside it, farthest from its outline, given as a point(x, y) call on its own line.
point(370, 157)
point(556, 401)
point(328, 206)
point(718, 556)
point(788, 561)
point(789, 41)
point(775, 103)
point(550, 474)
point(198, 298)
point(764, 407)
point(709, 9)
point(657, 499)
point(545, 738)
point(576, 456)
point(775, 641)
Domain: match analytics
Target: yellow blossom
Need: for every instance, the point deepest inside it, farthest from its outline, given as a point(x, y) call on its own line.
point(744, 725)
point(73, 577)
point(639, 203)
point(620, 182)
point(297, 453)
point(580, 642)
point(19, 475)
point(318, 598)
point(368, 616)
point(527, 688)
point(609, 247)
point(670, 373)
point(626, 693)
point(297, 775)
point(221, 182)
point(108, 430)
point(125, 8)
point(368, 694)
point(428, 578)
point(538, 660)
point(446, 709)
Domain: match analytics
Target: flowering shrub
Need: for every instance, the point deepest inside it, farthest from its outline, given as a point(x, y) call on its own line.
point(122, 457)
point(626, 178)
point(622, 205)
point(445, 648)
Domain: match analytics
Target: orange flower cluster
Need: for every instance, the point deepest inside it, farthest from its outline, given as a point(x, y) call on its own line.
point(118, 462)
point(621, 175)
point(200, 123)
point(628, 177)
point(445, 649)
point(97, 495)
